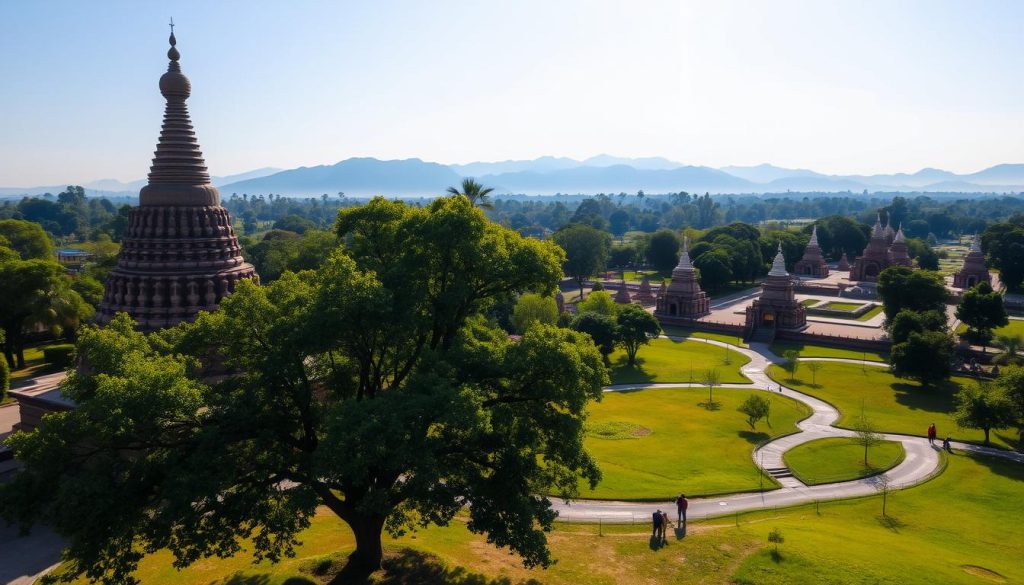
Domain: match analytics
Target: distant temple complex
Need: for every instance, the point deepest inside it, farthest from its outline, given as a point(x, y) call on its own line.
point(973, 271)
point(683, 297)
point(885, 248)
point(777, 307)
point(813, 263)
point(180, 254)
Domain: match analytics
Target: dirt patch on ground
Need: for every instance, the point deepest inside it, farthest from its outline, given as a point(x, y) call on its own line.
point(616, 430)
point(983, 573)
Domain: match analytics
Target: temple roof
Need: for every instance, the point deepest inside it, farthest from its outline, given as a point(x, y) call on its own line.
point(899, 239)
point(976, 244)
point(877, 232)
point(684, 257)
point(178, 175)
point(814, 236)
point(779, 264)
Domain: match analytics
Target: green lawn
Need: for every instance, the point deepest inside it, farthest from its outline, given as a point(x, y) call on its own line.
point(807, 350)
point(809, 302)
point(663, 441)
point(1016, 327)
point(840, 459)
point(730, 289)
point(675, 331)
point(892, 404)
point(967, 517)
point(840, 306)
point(870, 314)
point(34, 366)
point(961, 527)
point(665, 360)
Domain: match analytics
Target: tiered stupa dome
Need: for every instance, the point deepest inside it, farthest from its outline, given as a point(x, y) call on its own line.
point(180, 254)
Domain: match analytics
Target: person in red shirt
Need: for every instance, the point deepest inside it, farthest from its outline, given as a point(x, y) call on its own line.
point(931, 434)
point(681, 504)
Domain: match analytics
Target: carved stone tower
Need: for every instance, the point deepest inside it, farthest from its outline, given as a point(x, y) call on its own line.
point(683, 298)
point(973, 270)
point(180, 254)
point(813, 263)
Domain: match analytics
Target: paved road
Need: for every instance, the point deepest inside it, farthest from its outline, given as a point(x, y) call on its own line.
point(919, 465)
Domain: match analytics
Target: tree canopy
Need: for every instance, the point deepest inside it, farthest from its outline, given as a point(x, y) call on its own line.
point(586, 249)
point(982, 310)
point(372, 386)
point(917, 290)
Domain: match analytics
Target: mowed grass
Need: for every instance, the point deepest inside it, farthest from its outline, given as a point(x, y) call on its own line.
point(961, 527)
point(671, 361)
point(966, 519)
point(870, 314)
point(840, 306)
point(840, 459)
point(675, 331)
point(34, 366)
point(653, 444)
point(892, 404)
point(807, 350)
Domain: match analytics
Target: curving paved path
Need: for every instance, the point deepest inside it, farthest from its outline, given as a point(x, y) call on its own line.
point(919, 465)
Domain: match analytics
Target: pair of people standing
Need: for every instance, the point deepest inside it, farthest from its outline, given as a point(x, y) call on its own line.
point(660, 521)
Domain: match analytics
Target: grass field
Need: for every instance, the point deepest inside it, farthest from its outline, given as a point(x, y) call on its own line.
point(870, 314)
point(674, 331)
point(34, 366)
point(840, 306)
point(809, 302)
point(892, 404)
point(665, 360)
point(652, 444)
point(962, 527)
point(840, 459)
point(963, 524)
point(807, 350)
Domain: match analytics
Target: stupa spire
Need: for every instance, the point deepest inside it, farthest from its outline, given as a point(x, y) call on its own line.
point(899, 235)
point(877, 232)
point(684, 257)
point(779, 264)
point(814, 236)
point(976, 244)
point(178, 175)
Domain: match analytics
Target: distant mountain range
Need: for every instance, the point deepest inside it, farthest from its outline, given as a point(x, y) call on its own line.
point(549, 175)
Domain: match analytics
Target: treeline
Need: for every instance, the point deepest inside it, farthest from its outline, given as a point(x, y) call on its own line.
point(71, 216)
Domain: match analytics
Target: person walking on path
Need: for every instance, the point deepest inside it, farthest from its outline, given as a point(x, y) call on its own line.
point(947, 446)
point(664, 527)
point(931, 434)
point(659, 522)
point(681, 504)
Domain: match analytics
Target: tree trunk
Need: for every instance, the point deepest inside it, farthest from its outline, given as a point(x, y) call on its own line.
point(368, 554)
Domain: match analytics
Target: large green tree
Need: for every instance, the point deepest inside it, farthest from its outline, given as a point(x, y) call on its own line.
point(984, 408)
point(635, 327)
point(663, 249)
point(917, 290)
point(982, 310)
point(923, 357)
point(586, 249)
point(1004, 245)
point(601, 328)
point(372, 386)
point(532, 308)
point(36, 291)
point(27, 238)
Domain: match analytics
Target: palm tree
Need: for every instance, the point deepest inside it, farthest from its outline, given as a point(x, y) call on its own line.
point(475, 192)
point(1010, 344)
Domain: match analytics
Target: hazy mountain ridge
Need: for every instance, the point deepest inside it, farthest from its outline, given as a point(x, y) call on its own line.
point(548, 175)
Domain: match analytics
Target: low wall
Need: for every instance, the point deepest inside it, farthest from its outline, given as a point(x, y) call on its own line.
point(837, 341)
point(697, 325)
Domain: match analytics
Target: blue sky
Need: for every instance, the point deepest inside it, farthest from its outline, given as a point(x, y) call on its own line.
point(842, 87)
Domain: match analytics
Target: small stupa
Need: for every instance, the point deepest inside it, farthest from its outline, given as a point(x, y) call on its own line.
point(844, 263)
point(622, 296)
point(899, 253)
point(973, 271)
point(645, 296)
point(813, 262)
point(777, 307)
point(683, 297)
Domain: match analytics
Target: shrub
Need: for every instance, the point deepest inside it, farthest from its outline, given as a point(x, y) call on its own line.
point(59, 355)
point(5, 378)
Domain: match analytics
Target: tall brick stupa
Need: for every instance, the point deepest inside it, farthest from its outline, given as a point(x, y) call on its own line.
point(180, 254)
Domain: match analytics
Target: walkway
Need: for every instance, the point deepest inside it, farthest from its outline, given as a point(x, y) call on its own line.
point(919, 465)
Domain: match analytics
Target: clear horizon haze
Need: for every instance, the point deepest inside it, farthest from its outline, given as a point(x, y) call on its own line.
point(838, 87)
